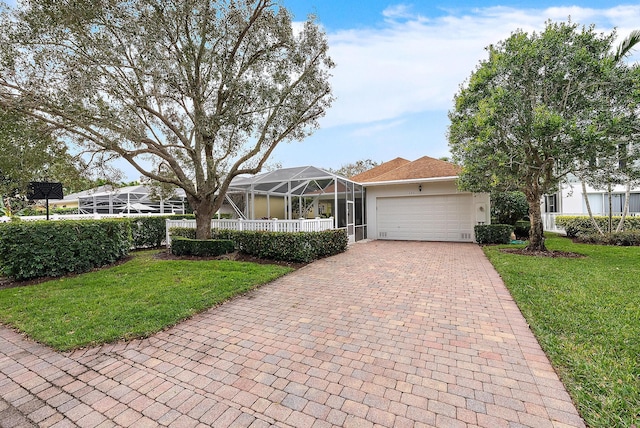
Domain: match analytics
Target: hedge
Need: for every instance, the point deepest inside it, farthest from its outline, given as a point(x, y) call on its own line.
point(284, 246)
point(574, 225)
point(200, 247)
point(493, 233)
point(150, 232)
point(185, 232)
point(624, 239)
point(54, 248)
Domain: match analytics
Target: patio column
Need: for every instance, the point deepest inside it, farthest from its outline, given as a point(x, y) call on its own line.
point(335, 202)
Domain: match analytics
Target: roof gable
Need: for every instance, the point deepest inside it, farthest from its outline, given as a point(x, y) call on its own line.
point(379, 170)
point(425, 167)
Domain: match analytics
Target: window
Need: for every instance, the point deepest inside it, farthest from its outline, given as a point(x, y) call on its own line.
point(551, 203)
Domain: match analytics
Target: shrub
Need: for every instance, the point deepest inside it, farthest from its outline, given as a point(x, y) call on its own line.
point(508, 207)
point(521, 229)
point(284, 246)
point(294, 247)
point(184, 232)
point(151, 231)
point(623, 239)
point(200, 247)
point(493, 233)
point(574, 225)
point(54, 248)
point(148, 231)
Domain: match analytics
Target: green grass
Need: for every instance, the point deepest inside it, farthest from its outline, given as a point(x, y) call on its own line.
point(586, 315)
point(135, 299)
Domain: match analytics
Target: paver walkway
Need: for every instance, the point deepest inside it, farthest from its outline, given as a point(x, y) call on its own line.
point(388, 334)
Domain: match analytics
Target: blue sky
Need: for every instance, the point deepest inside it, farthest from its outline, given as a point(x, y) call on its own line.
point(399, 65)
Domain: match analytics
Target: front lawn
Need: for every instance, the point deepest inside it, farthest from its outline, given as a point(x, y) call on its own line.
point(135, 299)
point(585, 313)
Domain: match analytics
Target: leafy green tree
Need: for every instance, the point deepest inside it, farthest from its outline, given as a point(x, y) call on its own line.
point(617, 163)
point(28, 153)
point(530, 112)
point(351, 169)
point(201, 90)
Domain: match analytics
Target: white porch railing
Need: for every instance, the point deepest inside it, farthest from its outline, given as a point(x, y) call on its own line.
point(549, 222)
point(302, 225)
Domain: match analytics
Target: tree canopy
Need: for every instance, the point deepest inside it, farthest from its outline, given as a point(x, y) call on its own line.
point(534, 111)
point(190, 92)
point(29, 153)
point(351, 169)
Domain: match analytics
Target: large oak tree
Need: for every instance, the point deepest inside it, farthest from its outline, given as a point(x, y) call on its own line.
point(533, 112)
point(190, 92)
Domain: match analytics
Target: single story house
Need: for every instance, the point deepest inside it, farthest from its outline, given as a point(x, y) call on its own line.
point(397, 200)
point(419, 200)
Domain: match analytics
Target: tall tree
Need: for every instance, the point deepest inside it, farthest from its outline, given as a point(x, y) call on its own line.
point(28, 153)
point(191, 92)
point(530, 112)
point(616, 163)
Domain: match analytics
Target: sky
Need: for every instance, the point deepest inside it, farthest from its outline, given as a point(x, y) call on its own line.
point(399, 65)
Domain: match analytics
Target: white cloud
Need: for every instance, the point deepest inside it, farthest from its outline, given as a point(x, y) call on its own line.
point(369, 131)
point(414, 64)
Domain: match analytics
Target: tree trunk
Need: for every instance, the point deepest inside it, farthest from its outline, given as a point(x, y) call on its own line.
point(586, 201)
point(204, 209)
point(610, 210)
point(625, 210)
point(536, 232)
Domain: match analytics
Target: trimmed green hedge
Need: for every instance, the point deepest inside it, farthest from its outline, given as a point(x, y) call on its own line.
point(623, 239)
point(54, 248)
point(284, 246)
point(574, 225)
point(185, 232)
point(150, 232)
point(493, 233)
point(200, 247)
point(293, 247)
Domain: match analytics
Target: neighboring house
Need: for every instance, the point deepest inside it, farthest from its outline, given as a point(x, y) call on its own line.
point(570, 201)
point(121, 200)
point(398, 200)
point(420, 200)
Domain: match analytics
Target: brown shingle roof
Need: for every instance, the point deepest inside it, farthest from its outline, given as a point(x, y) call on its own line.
point(425, 167)
point(379, 170)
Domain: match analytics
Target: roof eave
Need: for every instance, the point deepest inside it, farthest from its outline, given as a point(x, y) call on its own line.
point(410, 181)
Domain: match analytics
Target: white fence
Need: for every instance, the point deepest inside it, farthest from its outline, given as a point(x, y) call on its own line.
point(275, 225)
point(88, 216)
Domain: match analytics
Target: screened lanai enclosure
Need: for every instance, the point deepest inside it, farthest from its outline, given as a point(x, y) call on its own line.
point(304, 192)
point(127, 200)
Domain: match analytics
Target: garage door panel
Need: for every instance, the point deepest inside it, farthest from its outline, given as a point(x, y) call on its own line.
point(426, 218)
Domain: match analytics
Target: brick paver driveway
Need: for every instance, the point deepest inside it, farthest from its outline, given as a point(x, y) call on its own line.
point(389, 334)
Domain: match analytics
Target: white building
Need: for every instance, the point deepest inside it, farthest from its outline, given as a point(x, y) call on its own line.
point(570, 200)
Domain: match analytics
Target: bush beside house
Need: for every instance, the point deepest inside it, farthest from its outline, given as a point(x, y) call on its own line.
point(493, 233)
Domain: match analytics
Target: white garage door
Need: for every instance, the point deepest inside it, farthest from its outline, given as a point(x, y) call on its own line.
point(425, 218)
